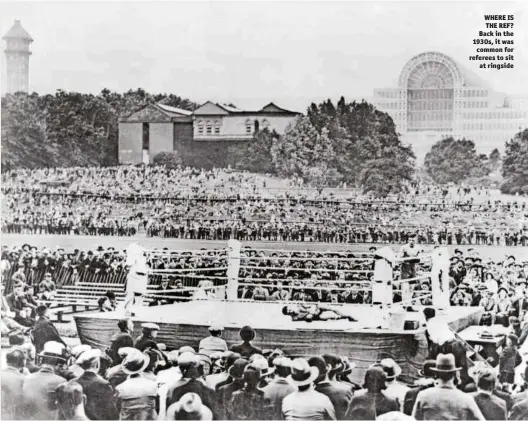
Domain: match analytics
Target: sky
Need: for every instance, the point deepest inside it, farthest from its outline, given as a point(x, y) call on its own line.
point(251, 53)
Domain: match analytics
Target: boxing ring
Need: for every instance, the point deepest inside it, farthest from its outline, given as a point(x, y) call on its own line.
point(381, 330)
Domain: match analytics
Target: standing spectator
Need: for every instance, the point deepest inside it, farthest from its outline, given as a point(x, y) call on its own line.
point(136, 396)
point(246, 349)
point(425, 381)
point(44, 331)
point(279, 387)
point(189, 407)
point(225, 392)
point(306, 403)
point(509, 359)
point(38, 390)
point(70, 401)
point(520, 407)
point(12, 383)
point(395, 389)
point(491, 406)
point(445, 401)
point(98, 392)
point(372, 402)
point(249, 403)
point(214, 342)
point(339, 397)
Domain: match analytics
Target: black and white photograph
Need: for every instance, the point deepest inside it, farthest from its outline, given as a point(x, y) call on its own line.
point(264, 210)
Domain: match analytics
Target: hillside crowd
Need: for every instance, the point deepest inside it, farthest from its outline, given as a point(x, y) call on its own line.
point(220, 205)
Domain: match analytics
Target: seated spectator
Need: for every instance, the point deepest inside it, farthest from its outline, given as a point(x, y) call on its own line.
point(44, 331)
point(246, 349)
point(107, 302)
point(213, 343)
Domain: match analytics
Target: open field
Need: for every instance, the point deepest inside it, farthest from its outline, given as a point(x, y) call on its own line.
point(71, 242)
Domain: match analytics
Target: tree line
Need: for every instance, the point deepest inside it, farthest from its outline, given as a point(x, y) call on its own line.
point(346, 142)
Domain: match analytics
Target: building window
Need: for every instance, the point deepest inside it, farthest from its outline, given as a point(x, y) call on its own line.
point(209, 128)
point(146, 136)
point(217, 127)
point(200, 127)
point(248, 126)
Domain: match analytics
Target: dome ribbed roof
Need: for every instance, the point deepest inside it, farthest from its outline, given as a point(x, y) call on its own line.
point(17, 32)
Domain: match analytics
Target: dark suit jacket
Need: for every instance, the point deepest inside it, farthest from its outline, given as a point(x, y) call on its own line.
point(410, 397)
point(99, 397)
point(119, 340)
point(339, 396)
point(520, 409)
point(492, 407)
point(43, 332)
point(246, 350)
point(368, 406)
point(183, 386)
point(39, 395)
point(12, 382)
point(143, 343)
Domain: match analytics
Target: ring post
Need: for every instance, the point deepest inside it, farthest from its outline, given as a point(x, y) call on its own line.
point(233, 268)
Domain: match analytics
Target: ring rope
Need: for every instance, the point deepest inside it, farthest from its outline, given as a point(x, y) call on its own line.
point(307, 269)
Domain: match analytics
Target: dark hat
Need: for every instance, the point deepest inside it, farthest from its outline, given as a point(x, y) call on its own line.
point(247, 333)
point(41, 309)
point(236, 371)
point(391, 369)
point(320, 363)
point(16, 338)
point(426, 370)
point(458, 251)
point(429, 312)
point(375, 375)
point(514, 338)
point(502, 289)
point(110, 295)
point(445, 363)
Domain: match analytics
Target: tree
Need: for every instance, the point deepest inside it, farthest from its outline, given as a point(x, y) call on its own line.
point(515, 165)
point(454, 161)
point(256, 155)
point(301, 148)
point(170, 159)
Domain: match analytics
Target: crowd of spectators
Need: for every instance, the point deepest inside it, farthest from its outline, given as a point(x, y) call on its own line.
point(220, 204)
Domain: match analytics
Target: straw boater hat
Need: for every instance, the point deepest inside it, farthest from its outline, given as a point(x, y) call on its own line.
point(445, 363)
point(262, 364)
point(88, 356)
point(302, 374)
point(79, 349)
point(54, 350)
point(135, 361)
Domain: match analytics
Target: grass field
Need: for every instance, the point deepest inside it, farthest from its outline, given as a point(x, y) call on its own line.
point(71, 242)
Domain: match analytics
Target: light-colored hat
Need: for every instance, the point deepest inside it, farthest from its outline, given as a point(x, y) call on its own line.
point(79, 349)
point(284, 362)
point(189, 404)
point(135, 362)
point(187, 358)
point(88, 356)
point(150, 326)
point(216, 328)
point(173, 356)
point(263, 366)
point(302, 374)
point(53, 349)
point(391, 368)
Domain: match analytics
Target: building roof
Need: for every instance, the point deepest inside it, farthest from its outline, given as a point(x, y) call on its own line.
point(211, 108)
point(17, 32)
point(174, 110)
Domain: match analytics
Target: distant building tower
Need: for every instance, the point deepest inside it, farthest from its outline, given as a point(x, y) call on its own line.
point(17, 58)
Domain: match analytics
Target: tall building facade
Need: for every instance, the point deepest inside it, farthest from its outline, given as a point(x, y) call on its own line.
point(436, 97)
point(17, 58)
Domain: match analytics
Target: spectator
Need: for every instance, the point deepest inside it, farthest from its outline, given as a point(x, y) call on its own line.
point(306, 403)
point(373, 402)
point(279, 387)
point(38, 390)
point(98, 392)
point(520, 407)
point(508, 360)
point(444, 400)
point(426, 380)
point(395, 389)
point(12, 383)
point(44, 331)
point(136, 396)
point(148, 336)
point(121, 340)
point(246, 349)
point(249, 403)
point(189, 407)
point(214, 342)
point(71, 401)
point(225, 392)
point(491, 406)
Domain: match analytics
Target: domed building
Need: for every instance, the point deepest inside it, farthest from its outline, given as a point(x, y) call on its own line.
point(436, 97)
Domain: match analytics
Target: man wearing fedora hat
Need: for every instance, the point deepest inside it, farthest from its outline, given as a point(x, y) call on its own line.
point(189, 407)
point(250, 403)
point(225, 392)
point(306, 403)
point(425, 381)
point(148, 336)
point(38, 390)
point(136, 396)
point(99, 403)
point(279, 387)
point(339, 396)
point(371, 403)
point(444, 400)
point(395, 389)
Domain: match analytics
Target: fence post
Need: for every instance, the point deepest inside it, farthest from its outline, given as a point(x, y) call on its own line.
point(233, 268)
point(383, 276)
